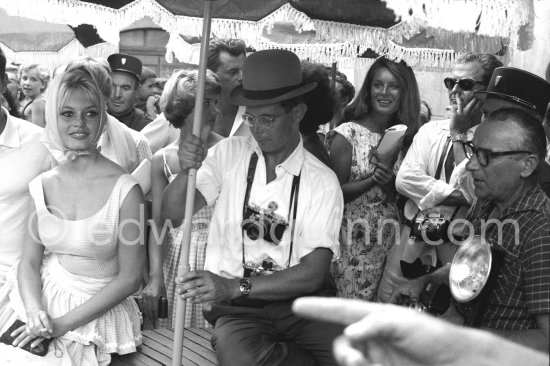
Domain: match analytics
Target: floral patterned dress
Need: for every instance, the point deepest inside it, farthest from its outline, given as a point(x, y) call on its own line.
point(369, 224)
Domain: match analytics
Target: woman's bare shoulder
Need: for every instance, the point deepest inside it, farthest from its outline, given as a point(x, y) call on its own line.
point(109, 167)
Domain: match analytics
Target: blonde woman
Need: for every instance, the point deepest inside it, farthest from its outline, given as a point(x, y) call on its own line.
point(82, 261)
point(178, 103)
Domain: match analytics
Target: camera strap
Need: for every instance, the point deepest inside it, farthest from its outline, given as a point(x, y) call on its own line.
point(445, 155)
point(250, 179)
point(293, 200)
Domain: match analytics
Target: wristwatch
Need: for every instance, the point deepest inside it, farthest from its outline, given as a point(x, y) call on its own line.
point(245, 286)
point(462, 137)
point(456, 138)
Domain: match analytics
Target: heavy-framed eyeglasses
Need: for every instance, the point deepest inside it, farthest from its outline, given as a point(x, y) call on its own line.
point(484, 156)
point(465, 84)
point(263, 121)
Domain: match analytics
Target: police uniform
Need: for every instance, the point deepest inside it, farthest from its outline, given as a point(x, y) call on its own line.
point(134, 118)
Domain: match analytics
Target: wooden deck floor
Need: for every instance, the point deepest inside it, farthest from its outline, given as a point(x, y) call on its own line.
point(157, 345)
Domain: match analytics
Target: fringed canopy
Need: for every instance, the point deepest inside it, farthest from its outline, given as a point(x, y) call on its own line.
point(24, 41)
point(341, 30)
point(71, 50)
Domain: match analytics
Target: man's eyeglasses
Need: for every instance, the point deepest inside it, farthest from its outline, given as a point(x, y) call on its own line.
point(484, 156)
point(262, 121)
point(466, 84)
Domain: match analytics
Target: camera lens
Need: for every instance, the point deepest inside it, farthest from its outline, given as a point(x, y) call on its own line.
point(252, 231)
point(278, 232)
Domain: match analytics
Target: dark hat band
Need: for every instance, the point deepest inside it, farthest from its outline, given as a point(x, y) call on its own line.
point(268, 94)
point(519, 100)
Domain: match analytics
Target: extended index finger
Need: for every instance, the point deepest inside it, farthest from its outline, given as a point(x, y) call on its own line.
point(472, 104)
point(335, 310)
point(459, 105)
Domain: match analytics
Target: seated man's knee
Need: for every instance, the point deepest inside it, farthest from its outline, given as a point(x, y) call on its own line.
point(256, 348)
point(235, 347)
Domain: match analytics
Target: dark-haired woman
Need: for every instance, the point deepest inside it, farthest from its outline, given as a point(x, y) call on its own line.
point(389, 96)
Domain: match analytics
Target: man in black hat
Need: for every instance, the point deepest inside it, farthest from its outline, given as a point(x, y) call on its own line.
point(274, 230)
point(510, 137)
point(512, 214)
point(515, 88)
point(126, 74)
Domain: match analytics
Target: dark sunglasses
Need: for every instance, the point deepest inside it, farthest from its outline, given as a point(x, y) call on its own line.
point(484, 156)
point(466, 84)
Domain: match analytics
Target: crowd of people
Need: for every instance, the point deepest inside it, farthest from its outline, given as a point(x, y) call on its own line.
point(294, 198)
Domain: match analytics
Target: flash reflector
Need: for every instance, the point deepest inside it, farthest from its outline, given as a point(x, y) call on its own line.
point(470, 269)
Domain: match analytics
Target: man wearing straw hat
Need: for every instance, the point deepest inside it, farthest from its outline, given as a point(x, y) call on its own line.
point(274, 229)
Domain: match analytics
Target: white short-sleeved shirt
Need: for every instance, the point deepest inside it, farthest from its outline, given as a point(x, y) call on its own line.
point(415, 178)
point(22, 158)
point(222, 180)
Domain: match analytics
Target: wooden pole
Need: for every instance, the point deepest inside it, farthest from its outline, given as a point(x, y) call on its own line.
point(333, 87)
point(186, 240)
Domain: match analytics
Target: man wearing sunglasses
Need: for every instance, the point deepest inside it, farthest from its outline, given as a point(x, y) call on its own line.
point(503, 158)
point(415, 179)
point(274, 230)
point(432, 174)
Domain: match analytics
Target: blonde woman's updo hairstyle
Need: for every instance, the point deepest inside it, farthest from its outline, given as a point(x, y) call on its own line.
point(84, 74)
point(97, 70)
point(178, 98)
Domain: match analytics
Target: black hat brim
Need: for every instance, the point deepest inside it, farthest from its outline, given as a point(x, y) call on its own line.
point(237, 96)
point(483, 95)
point(138, 77)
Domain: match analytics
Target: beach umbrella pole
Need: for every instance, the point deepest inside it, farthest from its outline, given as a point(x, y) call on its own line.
point(184, 258)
